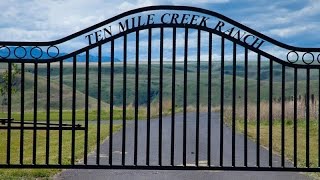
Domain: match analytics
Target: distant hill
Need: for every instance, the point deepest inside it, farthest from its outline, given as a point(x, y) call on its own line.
point(42, 95)
point(37, 53)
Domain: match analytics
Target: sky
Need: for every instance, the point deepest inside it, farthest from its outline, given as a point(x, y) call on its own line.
point(293, 22)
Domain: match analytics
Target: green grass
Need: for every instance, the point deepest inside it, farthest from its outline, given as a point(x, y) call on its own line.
point(289, 140)
point(277, 128)
point(41, 147)
point(276, 138)
point(42, 95)
point(92, 115)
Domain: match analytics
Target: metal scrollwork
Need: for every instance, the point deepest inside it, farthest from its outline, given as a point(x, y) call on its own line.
point(57, 53)
point(292, 61)
point(41, 52)
point(9, 52)
point(27, 52)
point(24, 54)
point(305, 60)
point(294, 57)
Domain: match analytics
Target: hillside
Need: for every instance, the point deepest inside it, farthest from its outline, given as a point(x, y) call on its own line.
point(118, 84)
point(42, 95)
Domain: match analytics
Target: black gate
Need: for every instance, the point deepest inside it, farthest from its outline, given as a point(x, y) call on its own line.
point(168, 87)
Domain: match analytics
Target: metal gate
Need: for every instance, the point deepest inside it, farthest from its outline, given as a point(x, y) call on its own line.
point(161, 87)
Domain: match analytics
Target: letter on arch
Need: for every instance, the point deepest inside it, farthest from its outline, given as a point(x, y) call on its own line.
point(219, 25)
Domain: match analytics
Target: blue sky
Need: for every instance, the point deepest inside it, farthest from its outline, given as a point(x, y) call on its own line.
point(294, 22)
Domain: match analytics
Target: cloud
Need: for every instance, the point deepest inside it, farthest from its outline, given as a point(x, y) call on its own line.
point(291, 31)
point(61, 17)
point(65, 17)
point(198, 1)
point(50, 20)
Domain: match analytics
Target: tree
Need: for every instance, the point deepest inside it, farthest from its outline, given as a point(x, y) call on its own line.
point(4, 83)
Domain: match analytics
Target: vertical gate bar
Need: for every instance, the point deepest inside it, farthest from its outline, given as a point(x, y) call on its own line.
point(9, 113)
point(160, 96)
point(319, 118)
point(148, 96)
point(209, 101)
point(283, 116)
point(22, 115)
point(234, 79)
point(245, 107)
point(111, 103)
point(86, 118)
point(270, 110)
point(185, 71)
point(295, 91)
point(136, 101)
point(73, 135)
point(48, 114)
point(221, 101)
point(124, 102)
point(35, 100)
point(258, 111)
point(198, 98)
point(60, 111)
point(307, 117)
point(173, 86)
point(98, 105)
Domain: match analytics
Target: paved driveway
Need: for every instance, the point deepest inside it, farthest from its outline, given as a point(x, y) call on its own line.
point(166, 141)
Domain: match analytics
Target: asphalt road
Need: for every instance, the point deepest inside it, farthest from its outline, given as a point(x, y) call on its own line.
point(191, 141)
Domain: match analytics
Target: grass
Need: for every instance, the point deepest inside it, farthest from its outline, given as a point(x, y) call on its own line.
point(41, 148)
point(289, 142)
point(276, 137)
point(277, 131)
point(276, 111)
point(105, 115)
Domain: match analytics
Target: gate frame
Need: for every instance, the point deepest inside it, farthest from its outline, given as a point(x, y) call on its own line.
point(314, 52)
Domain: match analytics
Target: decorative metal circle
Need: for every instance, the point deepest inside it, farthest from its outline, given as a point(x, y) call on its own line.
point(4, 57)
point(56, 49)
point(318, 58)
point(305, 60)
point(15, 52)
point(34, 49)
point(292, 61)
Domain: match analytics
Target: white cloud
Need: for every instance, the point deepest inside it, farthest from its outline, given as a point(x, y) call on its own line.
point(61, 17)
point(46, 20)
point(291, 31)
point(292, 23)
point(198, 1)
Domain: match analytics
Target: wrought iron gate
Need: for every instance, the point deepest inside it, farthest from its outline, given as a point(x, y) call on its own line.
point(212, 91)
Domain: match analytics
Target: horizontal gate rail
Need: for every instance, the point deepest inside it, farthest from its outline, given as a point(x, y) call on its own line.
point(141, 167)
